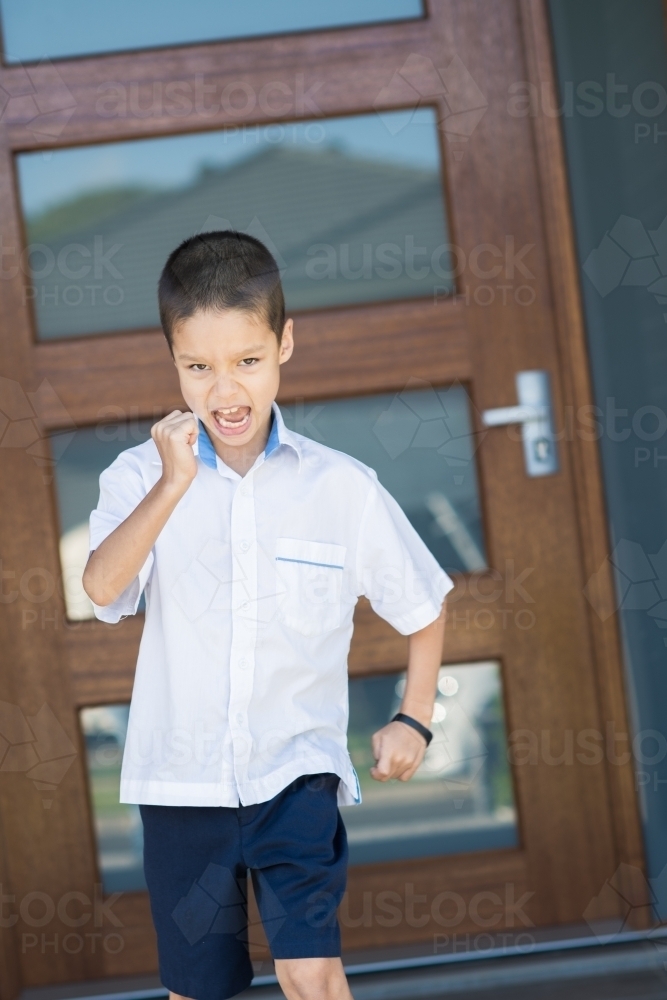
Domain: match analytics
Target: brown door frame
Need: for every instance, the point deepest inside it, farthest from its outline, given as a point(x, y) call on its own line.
point(47, 850)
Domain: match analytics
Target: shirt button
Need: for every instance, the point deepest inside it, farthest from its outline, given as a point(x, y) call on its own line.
point(244, 606)
point(244, 545)
point(243, 490)
point(243, 662)
point(239, 718)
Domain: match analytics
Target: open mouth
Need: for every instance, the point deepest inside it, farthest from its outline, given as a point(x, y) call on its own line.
point(232, 420)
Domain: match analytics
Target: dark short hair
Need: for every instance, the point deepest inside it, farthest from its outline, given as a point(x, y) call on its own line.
point(220, 270)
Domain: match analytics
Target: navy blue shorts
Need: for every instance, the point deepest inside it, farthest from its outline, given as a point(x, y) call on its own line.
point(196, 861)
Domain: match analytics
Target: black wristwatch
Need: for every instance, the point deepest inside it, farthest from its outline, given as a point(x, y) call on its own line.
point(409, 721)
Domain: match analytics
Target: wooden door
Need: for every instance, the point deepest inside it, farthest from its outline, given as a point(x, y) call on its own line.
point(504, 185)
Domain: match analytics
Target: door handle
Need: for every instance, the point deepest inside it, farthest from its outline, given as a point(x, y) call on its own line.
point(535, 414)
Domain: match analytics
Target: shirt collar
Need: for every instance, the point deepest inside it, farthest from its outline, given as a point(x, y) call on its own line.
point(278, 435)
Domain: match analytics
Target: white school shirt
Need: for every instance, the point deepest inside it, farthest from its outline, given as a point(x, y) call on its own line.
point(241, 682)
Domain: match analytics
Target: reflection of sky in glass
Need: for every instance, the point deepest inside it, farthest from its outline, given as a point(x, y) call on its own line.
point(118, 827)
point(421, 445)
point(33, 29)
point(461, 797)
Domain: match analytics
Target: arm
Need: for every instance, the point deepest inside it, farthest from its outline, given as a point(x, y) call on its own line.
point(116, 562)
point(397, 748)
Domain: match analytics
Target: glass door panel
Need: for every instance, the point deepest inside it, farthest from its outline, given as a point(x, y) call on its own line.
point(420, 442)
point(461, 797)
point(118, 827)
point(352, 209)
point(33, 30)
point(460, 800)
point(82, 456)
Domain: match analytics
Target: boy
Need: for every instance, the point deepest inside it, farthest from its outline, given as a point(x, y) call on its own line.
point(253, 544)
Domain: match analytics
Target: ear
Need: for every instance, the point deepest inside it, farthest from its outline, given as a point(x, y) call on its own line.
point(286, 342)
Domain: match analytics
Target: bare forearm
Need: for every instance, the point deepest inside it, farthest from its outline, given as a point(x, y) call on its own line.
point(117, 561)
point(424, 659)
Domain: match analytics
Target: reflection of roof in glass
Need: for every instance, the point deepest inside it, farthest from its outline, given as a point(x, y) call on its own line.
point(294, 199)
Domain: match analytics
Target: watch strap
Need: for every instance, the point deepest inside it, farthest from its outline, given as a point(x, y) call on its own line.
point(414, 724)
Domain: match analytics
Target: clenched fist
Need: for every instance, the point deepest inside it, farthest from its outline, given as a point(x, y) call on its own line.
point(174, 436)
point(398, 752)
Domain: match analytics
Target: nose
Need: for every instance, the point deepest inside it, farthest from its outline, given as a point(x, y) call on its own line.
point(224, 391)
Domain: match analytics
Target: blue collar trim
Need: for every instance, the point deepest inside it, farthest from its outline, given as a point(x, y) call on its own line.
point(273, 440)
point(206, 450)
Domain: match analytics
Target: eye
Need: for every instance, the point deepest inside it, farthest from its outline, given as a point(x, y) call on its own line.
point(198, 367)
point(248, 362)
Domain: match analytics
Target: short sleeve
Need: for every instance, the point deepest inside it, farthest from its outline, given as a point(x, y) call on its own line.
point(122, 488)
point(403, 581)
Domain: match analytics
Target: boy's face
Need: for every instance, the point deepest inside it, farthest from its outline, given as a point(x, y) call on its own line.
point(228, 365)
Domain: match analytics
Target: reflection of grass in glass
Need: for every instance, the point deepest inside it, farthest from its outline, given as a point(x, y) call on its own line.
point(118, 831)
point(83, 211)
point(492, 728)
point(104, 764)
point(371, 699)
point(361, 753)
point(105, 790)
point(502, 790)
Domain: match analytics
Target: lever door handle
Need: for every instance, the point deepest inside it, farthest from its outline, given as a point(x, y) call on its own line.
point(513, 415)
point(534, 413)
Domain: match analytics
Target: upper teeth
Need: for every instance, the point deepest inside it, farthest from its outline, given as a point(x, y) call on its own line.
point(232, 409)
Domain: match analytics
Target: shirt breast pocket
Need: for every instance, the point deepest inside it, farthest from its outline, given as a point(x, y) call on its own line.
point(311, 581)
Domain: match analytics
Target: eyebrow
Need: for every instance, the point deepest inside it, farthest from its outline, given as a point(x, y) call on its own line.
point(243, 354)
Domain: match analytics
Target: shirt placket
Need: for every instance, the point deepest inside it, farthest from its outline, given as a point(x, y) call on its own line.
point(244, 627)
